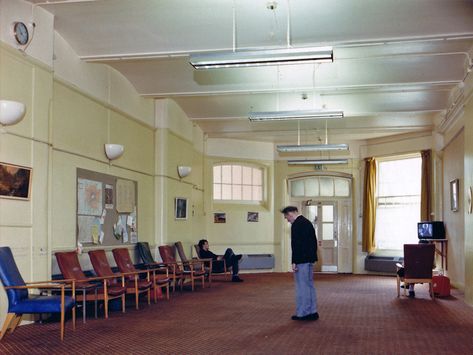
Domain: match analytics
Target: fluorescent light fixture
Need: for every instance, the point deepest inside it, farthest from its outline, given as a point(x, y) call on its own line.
point(311, 148)
point(318, 162)
point(295, 115)
point(261, 58)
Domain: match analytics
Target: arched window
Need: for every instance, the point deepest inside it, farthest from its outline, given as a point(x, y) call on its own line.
point(236, 182)
point(320, 186)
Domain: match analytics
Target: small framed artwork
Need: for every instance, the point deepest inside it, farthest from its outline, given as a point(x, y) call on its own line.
point(15, 181)
point(180, 208)
point(220, 217)
point(252, 217)
point(454, 191)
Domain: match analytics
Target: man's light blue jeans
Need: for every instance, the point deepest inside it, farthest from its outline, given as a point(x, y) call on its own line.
point(306, 297)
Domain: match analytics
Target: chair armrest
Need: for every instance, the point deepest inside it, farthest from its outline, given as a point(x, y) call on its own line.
point(36, 286)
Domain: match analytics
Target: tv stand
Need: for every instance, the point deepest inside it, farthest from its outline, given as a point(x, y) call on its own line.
point(440, 249)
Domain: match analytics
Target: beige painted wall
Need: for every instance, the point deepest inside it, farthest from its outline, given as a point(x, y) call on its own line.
point(64, 128)
point(237, 233)
point(24, 225)
point(454, 221)
point(468, 182)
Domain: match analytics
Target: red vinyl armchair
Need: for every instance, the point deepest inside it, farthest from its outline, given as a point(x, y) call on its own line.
point(134, 284)
point(187, 270)
point(91, 288)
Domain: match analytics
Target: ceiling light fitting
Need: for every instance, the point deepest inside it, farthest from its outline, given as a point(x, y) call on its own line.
point(311, 148)
point(294, 115)
point(262, 58)
point(318, 162)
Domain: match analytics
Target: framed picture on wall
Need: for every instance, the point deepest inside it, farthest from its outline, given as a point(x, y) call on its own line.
point(252, 217)
point(220, 217)
point(454, 190)
point(15, 181)
point(180, 208)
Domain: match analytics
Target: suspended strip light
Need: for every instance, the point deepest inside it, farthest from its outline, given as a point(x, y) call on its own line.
point(295, 115)
point(318, 162)
point(311, 148)
point(261, 58)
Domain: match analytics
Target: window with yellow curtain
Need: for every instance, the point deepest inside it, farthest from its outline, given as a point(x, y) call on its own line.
point(398, 201)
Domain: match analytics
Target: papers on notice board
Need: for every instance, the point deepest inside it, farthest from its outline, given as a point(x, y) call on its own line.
point(125, 196)
point(108, 197)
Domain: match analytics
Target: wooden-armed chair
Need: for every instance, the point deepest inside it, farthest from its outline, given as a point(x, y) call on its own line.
point(20, 301)
point(134, 284)
point(169, 258)
point(198, 266)
point(115, 282)
point(159, 268)
point(417, 268)
point(92, 288)
point(215, 267)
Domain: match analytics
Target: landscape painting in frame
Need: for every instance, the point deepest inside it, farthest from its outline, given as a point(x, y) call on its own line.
point(15, 181)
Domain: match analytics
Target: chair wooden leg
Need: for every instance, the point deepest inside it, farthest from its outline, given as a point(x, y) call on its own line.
point(74, 318)
point(167, 291)
point(6, 325)
point(15, 323)
point(398, 282)
point(123, 303)
point(149, 295)
point(62, 314)
point(155, 291)
point(192, 282)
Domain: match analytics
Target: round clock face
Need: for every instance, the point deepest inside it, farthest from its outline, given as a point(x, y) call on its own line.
point(21, 33)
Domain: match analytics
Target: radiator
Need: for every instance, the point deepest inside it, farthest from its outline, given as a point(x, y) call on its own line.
point(385, 264)
point(257, 261)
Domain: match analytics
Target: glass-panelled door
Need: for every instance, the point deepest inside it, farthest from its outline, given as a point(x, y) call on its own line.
point(327, 202)
point(324, 217)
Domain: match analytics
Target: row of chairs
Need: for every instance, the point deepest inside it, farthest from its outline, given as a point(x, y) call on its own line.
point(62, 296)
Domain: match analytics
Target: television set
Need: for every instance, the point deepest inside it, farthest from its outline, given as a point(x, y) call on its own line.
point(431, 230)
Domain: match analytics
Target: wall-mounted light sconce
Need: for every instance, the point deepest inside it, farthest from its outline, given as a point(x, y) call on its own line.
point(113, 151)
point(183, 171)
point(11, 112)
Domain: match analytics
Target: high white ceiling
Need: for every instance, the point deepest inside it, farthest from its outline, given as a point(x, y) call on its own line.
point(395, 62)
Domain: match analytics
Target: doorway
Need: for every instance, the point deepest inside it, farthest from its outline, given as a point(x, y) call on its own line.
point(323, 216)
point(326, 201)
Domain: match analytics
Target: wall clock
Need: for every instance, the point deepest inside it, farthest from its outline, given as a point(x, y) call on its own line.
point(21, 33)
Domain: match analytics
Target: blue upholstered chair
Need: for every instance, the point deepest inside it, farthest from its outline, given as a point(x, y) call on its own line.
point(21, 302)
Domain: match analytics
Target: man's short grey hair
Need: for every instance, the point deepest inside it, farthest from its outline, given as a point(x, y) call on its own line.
point(288, 209)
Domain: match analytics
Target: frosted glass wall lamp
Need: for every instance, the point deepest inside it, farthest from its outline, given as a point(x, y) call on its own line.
point(113, 151)
point(183, 171)
point(11, 112)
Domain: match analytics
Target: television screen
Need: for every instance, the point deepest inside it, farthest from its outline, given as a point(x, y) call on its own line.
point(431, 230)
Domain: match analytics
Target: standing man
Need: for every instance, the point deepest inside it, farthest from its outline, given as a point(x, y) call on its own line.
point(304, 254)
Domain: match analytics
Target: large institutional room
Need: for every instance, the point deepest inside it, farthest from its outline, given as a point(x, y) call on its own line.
point(236, 177)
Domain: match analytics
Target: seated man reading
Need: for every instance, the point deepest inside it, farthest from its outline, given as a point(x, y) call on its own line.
point(230, 259)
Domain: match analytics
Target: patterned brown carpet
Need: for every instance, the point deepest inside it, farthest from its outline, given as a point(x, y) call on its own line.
point(358, 315)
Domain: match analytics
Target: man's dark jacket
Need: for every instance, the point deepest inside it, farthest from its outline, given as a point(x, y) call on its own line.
point(303, 241)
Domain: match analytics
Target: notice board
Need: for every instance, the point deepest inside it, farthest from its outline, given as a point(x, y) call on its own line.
point(106, 209)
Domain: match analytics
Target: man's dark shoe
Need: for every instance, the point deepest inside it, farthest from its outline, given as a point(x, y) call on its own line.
point(294, 317)
point(236, 279)
point(412, 294)
point(313, 316)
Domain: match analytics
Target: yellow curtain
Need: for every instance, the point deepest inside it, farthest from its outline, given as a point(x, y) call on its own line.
point(369, 205)
point(425, 190)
